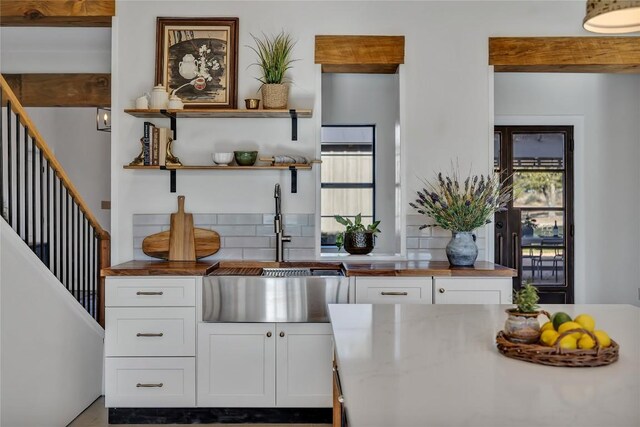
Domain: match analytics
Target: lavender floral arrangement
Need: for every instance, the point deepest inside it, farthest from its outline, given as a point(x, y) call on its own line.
point(462, 206)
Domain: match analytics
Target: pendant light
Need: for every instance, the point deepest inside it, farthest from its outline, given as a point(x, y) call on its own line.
point(612, 16)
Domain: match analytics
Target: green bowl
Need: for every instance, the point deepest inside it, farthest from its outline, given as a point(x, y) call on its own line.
point(245, 158)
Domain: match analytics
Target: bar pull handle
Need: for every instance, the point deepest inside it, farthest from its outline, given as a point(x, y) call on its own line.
point(394, 293)
point(140, 334)
point(149, 385)
point(516, 252)
point(149, 293)
point(500, 247)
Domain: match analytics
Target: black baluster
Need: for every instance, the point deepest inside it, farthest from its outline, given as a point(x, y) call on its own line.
point(54, 223)
point(43, 249)
point(78, 254)
point(33, 190)
point(73, 249)
point(67, 233)
point(48, 222)
point(86, 265)
point(9, 164)
point(94, 275)
point(18, 180)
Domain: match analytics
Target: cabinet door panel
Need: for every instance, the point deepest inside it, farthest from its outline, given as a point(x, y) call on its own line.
point(453, 290)
point(236, 364)
point(304, 365)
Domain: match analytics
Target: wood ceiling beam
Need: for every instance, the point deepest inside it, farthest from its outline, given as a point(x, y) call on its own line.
point(565, 54)
point(57, 13)
point(359, 54)
point(61, 90)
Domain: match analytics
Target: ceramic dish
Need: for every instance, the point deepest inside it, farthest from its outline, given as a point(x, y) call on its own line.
point(222, 159)
point(245, 158)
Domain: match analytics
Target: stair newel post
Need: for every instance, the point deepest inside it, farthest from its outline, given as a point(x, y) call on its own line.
point(104, 262)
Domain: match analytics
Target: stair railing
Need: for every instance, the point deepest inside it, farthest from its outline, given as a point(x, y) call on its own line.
point(45, 209)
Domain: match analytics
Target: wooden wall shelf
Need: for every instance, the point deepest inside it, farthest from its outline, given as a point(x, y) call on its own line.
point(172, 169)
point(204, 113)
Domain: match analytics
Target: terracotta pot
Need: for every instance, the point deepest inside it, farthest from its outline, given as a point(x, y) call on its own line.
point(275, 96)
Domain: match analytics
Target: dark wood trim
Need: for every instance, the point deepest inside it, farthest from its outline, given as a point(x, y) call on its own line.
point(359, 54)
point(565, 54)
point(61, 90)
point(57, 13)
point(105, 261)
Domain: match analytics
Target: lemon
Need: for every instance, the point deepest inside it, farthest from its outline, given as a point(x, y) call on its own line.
point(568, 343)
point(603, 338)
point(547, 326)
point(549, 337)
point(586, 322)
point(567, 326)
point(586, 342)
point(559, 318)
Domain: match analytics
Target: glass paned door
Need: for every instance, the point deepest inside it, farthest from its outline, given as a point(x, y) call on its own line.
point(535, 235)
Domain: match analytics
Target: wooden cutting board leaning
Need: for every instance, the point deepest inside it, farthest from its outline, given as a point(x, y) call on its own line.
point(182, 242)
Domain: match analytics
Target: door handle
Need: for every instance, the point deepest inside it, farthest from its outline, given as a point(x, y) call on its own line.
point(281, 334)
point(500, 247)
point(140, 334)
point(269, 334)
point(516, 252)
point(394, 293)
point(149, 293)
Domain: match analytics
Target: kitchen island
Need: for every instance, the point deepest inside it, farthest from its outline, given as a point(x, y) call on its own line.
point(437, 365)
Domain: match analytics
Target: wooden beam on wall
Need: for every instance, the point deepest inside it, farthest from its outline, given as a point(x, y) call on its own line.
point(61, 90)
point(565, 54)
point(57, 13)
point(359, 54)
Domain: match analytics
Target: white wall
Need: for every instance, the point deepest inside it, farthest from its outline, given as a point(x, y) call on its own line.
point(352, 99)
point(52, 349)
point(447, 95)
point(83, 151)
point(606, 109)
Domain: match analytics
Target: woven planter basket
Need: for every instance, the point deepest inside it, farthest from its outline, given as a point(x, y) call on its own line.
point(275, 96)
point(556, 356)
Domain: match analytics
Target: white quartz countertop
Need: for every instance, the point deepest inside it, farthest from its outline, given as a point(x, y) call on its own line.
point(437, 365)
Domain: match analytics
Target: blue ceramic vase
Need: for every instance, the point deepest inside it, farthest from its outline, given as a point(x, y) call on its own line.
point(462, 250)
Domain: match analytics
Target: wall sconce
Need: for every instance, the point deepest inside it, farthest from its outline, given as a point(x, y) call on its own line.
point(103, 119)
point(612, 16)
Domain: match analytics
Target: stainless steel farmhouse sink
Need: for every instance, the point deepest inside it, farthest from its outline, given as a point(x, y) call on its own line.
point(278, 295)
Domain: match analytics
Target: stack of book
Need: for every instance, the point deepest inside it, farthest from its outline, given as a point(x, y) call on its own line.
point(155, 141)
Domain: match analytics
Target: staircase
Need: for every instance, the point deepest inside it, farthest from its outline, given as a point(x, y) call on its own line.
point(43, 207)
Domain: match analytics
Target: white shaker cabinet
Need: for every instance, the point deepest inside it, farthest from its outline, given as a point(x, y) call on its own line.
point(236, 365)
point(393, 290)
point(472, 290)
point(304, 356)
point(264, 365)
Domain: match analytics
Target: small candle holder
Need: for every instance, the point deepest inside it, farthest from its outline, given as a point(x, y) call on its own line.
point(252, 103)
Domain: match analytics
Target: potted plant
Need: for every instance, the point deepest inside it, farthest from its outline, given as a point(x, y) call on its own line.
point(461, 207)
point(274, 59)
point(357, 238)
point(528, 226)
point(522, 322)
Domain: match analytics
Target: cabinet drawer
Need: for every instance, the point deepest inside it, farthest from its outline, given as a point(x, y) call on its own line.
point(150, 291)
point(393, 290)
point(150, 382)
point(150, 331)
point(472, 290)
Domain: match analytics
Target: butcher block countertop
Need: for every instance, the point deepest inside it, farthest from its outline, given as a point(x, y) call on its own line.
point(254, 268)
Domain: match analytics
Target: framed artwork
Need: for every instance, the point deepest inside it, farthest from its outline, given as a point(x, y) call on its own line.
point(197, 59)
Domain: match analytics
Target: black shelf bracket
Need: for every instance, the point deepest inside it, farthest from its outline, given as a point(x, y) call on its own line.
point(174, 122)
point(294, 124)
point(294, 179)
point(172, 180)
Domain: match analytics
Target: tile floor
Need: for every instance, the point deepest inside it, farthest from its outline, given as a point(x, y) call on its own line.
point(96, 416)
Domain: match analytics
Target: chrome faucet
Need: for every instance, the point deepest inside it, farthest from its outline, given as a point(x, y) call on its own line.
point(277, 224)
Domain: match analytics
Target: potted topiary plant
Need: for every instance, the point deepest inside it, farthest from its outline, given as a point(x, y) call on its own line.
point(522, 323)
point(274, 59)
point(357, 238)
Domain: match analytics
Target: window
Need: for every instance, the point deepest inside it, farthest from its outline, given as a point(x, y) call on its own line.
point(348, 176)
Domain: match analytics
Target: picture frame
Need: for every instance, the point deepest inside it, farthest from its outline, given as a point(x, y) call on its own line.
point(197, 59)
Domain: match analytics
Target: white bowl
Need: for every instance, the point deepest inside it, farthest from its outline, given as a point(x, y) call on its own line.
point(222, 159)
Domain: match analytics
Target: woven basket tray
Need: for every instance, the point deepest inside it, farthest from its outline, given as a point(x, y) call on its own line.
point(556, 356)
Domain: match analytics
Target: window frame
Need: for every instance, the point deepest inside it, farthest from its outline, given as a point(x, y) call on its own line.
point(351, 185)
